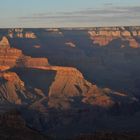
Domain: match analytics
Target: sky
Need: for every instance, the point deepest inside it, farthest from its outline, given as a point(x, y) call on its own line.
point(69, 13)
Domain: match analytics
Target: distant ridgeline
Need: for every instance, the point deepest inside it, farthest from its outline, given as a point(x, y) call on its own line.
point(100, 36)
point(20, 33)
point(103, 36)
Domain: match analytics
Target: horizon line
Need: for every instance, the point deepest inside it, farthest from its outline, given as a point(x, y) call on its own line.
point(111, 26)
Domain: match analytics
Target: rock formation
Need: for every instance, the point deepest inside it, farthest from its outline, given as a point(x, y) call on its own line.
point(14, 91)
point(13, 126)
point(27, 61)
point(103, 36)
point(4, 68)
point(10, 88)
point(4, 43)
point(14, 57)
point(8, 55)
point(70, 44)
point(19, 33)
point(68, 82)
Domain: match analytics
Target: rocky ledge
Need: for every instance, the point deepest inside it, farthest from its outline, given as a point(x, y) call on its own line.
point(13, 57)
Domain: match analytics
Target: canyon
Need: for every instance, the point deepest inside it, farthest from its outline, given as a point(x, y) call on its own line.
point(68, 81)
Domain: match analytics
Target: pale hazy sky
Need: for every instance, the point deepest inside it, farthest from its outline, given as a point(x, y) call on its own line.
point(68, 13)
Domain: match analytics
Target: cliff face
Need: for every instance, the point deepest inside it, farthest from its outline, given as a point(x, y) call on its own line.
point(68, 82)
point(55, 81)
point(10, 88)
point(8, 55)
point(13, 57)
point(4, 43)
point(103, 36)
point(27, 61)
point(15, 91)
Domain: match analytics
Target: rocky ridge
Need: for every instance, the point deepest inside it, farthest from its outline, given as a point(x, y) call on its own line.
point(103, 36)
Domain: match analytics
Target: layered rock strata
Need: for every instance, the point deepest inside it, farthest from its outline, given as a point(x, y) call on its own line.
point(14, 57)
point(103, 36)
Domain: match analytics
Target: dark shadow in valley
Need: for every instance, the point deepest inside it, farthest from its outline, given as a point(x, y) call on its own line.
point(35, 78)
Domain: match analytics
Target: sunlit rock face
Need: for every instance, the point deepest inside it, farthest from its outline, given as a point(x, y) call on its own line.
point(10, 88)
point(68, 82)
point(14, 57)
point(27, 61)
point(4, 68)
point(133, 43)
point(8, 55)
point(15, 91)
point(60, 87)
point(103, 36)
point(4, 43)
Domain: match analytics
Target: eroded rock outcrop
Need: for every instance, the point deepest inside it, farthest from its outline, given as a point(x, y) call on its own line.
point(69, 82)
point(14, 57)
point(8, 55)
point(15, 91)
point(4, 68)
point(4, 43)
point(65, 84)
point(27, 61)
point(105, 97)
point(10, 88)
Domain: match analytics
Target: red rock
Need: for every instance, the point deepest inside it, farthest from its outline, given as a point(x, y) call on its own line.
point(13, 57)
point(105, 35)
point(4, 43)
point(133, 43)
